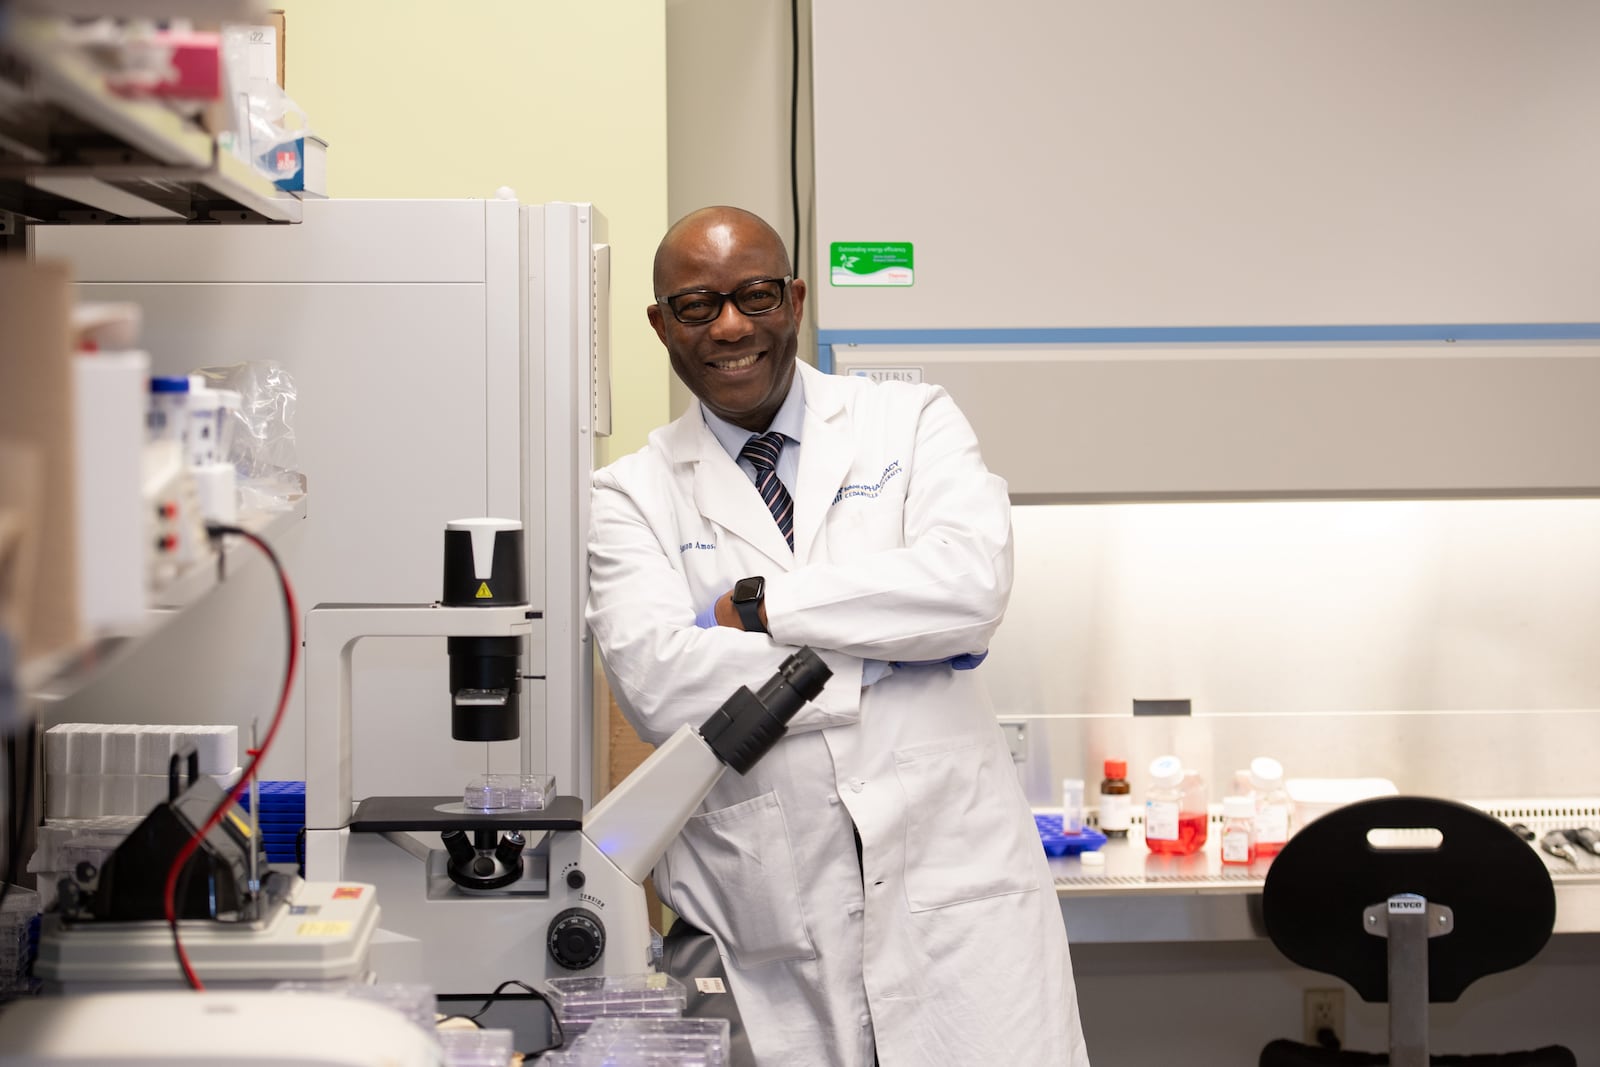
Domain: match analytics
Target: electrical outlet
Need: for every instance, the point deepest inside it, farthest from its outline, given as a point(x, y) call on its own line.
point(1016, 731)
point(1324, 1012)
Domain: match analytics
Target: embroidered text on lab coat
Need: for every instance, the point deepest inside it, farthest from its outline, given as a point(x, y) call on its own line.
point(848, 491)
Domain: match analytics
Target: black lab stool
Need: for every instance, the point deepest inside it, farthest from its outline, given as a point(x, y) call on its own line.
point(1438, 896)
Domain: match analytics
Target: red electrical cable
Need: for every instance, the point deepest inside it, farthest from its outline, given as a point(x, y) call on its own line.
point(257, 755)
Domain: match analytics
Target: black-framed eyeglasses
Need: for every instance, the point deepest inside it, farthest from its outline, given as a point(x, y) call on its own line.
point(700, 306)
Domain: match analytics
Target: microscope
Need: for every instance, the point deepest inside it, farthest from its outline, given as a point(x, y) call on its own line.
point(506, 880)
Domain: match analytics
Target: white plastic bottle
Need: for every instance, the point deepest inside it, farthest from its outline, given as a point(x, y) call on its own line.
point(1238, 830)
point(1272, 805)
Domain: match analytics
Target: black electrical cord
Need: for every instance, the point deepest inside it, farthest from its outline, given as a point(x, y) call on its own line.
point(22, 814)
point(499, 995)
point(794, 130)
point(292, 618)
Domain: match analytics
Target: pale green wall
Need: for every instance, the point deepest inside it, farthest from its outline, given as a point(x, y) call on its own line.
point(559, 100)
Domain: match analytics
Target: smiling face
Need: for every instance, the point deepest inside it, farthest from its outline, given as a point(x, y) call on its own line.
point(739, 365)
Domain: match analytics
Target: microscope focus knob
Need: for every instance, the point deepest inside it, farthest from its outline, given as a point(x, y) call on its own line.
point(577, 939)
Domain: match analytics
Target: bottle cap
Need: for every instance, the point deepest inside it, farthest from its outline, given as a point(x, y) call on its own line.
point(1166, 770)
point(1116, 768)
point(1265, 772)
point(1238, 808)
point(170, 384)
point(1092, 858)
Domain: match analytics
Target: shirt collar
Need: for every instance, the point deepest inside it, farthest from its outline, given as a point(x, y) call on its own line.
point(788, 421)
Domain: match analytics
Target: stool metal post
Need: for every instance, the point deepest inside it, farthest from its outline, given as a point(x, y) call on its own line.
point(1408, 921)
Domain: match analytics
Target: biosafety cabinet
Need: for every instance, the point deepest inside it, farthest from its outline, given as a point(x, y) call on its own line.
point(1282, 323)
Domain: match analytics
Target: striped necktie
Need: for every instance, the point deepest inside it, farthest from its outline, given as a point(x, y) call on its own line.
point(762, 451)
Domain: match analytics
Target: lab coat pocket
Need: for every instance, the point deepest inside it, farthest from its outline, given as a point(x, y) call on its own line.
point(964, 840)
point(732, 872)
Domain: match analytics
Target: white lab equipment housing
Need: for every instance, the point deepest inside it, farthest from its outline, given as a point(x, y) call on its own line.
point(451, 358)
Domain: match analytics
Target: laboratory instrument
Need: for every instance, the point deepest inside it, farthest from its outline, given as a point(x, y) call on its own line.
point(242, 1028)
point(242, 923)
point(1585, 838)
point(483, 896)
point(1555, 842)
point(485, 321)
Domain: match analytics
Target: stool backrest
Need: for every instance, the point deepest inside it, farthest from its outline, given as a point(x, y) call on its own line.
point(1329, 873)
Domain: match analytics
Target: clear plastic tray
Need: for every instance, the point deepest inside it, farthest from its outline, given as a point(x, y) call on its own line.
point(476, 1048)
point(654, 1042)
point(509, 792)
point(583, 999)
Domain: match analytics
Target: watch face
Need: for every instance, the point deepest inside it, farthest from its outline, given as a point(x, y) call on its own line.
point(748, 589)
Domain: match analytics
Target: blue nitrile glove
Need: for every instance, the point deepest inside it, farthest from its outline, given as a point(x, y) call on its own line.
point(874, 670)
point(707, 619)
point(964, 662)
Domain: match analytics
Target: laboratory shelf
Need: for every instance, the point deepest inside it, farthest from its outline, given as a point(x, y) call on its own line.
point(53, 679)
point(72, 151)
point(1138, 896)
point(246, 11)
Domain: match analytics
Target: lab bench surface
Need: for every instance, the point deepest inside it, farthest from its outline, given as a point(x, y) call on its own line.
point(1138, 896)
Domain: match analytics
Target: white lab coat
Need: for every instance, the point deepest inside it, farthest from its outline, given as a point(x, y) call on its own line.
point(902, 552)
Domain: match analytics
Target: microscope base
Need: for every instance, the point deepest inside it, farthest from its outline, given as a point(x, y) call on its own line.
point(470, 942)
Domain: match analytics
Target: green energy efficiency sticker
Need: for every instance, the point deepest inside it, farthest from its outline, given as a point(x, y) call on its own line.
point(870, 263)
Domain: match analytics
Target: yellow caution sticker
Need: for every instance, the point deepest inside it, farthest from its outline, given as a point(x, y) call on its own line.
point(483, 591)
point(323, 928)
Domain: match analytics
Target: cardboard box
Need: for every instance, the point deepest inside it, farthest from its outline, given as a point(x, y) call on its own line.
point(276, 20)
point(37, 481)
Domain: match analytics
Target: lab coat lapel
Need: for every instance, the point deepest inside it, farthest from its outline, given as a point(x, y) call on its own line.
point(825, 457)
point(725, 495)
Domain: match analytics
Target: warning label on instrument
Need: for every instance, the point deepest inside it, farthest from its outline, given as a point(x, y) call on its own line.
point(483, 591)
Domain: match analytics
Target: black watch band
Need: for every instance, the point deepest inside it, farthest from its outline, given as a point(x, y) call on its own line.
point(748, 595)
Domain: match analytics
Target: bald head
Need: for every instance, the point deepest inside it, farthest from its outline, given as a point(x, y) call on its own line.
point(736, 349)
point(717, 231)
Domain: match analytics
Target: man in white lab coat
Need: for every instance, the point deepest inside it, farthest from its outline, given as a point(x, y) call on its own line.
point(875, 885)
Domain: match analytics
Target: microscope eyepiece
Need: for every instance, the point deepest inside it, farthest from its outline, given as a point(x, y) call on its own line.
point(749, 724)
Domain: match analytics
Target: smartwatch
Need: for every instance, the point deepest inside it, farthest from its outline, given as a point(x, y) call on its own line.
point(747, 596)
